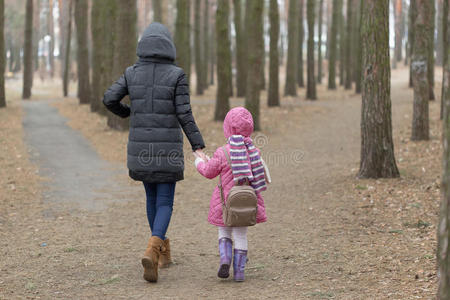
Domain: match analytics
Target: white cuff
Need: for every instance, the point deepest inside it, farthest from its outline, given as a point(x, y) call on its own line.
point(197, 161)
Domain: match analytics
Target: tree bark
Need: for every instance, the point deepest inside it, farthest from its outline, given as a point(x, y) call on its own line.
point(443, 253)
point(68, 38)
point(333, 45)
point(411, 35)
point(255, 42)
point(182, 37)
point(2, 54)
point(377, 147)
point(36, 26)
point(223, 60)
point(125, 42)
point(290, 88)
point(311, 84)
point(212, 53)
point(419, 65)
point(342, 44)
point(319, 50)
point(348, 46)
point(398, 31)
point(51, 33)
point(81, 22)
point(28, 51)
point(301, 38)
point(430, 60)
point(241, 66)
point(198, 48)
point(274, 93)
point(205, 37)
point(440, 37)
point(157, 11)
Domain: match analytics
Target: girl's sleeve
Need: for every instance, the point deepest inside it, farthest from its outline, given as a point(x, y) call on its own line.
point(212, 167)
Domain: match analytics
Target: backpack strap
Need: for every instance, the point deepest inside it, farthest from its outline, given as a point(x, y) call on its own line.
point(222, 196)
point(227, 155)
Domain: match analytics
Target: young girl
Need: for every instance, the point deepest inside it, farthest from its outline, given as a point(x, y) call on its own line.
point(246, 164)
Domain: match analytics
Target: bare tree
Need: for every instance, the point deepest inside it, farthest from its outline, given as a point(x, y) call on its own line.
point(241, 66)
point(68, 38)
point(411, 35)
point(182, 37)
point(430, 57)
point(157, 11)
point(81, 22)
point(198, 48)
point(348, 46)
point(205, 38)
point(398, 32)
point(377, 147)
point(51, 33)
point(445, 48)
point(333, 45)
point(301, 38)
point(28, 51)
point(290, 88)
point(274, 93)
point(2, 54)
point(319, 46)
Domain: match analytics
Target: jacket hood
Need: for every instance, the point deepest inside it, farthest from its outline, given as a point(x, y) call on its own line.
point(238, 121)
point(156, 42)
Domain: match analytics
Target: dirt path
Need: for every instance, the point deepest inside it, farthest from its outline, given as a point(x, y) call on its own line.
point(329, 235)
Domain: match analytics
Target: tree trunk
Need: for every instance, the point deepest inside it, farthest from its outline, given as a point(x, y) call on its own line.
point(398, 31)
point(342, 44)
point(125, 42)
point(333, 45)
point(241, 66)
point(223, 60)
point(319, 50)
point(198, 48)
point(51, 33)
point(301, 38)
point(157, 11)
point(439, 44)
point(212, 53)
point(445, 51)
point(358, 69)
point(411, 35)
point(274, 93)
point(28, 51)
point(2, 54)
point(205, 37)
point(348, 46)
point(311, 84)
point(36, 26)
point(419, 65)
point(262, 66)
point(68, 38)
point(377, 147)
point(103, 18)
point(81, 22)
point(443, 253)
point(430, 60)
point(255, 42)
point(290, 88)
point(182, 37)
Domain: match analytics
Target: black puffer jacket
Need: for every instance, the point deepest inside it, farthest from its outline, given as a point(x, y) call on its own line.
point(159, 95)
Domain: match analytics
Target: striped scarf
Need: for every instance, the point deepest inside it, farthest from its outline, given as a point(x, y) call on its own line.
point(246, 162)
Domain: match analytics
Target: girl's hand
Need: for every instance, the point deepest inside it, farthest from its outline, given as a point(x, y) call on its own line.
point(201, 154)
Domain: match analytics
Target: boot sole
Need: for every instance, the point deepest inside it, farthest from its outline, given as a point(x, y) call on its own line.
point(224, 271)
point(150, 271)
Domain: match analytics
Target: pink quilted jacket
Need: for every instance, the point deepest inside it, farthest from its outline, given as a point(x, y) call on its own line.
point(237, 121)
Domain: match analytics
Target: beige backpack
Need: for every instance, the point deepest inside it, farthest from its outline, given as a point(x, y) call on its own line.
point(241, 206)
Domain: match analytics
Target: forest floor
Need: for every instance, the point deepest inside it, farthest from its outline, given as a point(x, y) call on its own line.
point(329, 235)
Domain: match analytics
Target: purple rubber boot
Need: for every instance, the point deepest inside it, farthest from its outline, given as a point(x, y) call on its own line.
point(225, 247)
point(239, 261)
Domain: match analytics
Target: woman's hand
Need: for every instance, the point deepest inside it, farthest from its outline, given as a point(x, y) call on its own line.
point(199, 153)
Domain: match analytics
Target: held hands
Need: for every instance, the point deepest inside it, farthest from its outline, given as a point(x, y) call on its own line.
point(199, 153)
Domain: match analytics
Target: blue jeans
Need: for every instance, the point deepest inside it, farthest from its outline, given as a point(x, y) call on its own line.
point(159, 206)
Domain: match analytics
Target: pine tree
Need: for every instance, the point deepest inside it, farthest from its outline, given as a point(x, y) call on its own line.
point(2, 54)
point(223, 60)
point(443, 253)
point(68, 39)
point(51, 33)
point(398, 13)
point(430, 58)
point(419, 65)
point(290, 88)
point(358, 69)
point(311, 83)
point(445, 51)
point(301, 38)
point(333, 45)
point(411, 35)
point(157, 11)
point(205, 38)
point(274, 93)
point(319, 50)
point(28, 51)
point(125, 42)
point(440, 38)
point(198, 48)
point(255, 42)
point(182, 37)
point(377, 147)
point(36, 26)
point(81, 22)
point(342, 44)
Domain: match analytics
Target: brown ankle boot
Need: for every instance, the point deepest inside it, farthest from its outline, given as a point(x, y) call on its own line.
point(165, 260)
point(151, 258)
